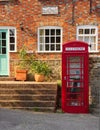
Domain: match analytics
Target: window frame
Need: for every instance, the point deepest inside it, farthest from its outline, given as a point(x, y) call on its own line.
point(89, 35)
point(49, 51)
point(15, 43)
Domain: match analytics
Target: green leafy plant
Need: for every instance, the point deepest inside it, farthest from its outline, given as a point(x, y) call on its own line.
point(23, 57)
point(41, 68)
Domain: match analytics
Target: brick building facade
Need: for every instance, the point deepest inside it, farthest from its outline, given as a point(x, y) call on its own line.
point(61, 20)
point(43, 26)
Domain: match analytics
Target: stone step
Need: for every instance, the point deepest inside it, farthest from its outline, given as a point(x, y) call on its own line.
point(18, 103)
point(36, 109)
point(27, 97)
point(7, 79)
point(11, 91)
point(25, 85)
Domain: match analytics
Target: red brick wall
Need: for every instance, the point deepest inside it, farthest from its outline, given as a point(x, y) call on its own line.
point(26, 16)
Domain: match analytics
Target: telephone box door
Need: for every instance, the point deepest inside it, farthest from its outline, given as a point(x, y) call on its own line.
point(75, 82)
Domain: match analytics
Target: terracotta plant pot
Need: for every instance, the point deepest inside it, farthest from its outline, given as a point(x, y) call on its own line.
point(39, 77)
point(21, 75)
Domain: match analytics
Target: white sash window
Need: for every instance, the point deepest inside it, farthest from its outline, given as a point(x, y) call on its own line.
point(88, 34)
point(50, 39)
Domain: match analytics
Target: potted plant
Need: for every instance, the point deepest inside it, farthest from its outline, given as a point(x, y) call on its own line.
point(20, 70)
point(41, 70)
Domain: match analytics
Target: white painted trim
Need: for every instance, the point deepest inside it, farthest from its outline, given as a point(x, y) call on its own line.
point(49, 27)
point(88, 27)
point(8, 28)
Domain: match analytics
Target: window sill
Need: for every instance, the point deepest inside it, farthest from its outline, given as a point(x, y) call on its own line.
point(48, 51)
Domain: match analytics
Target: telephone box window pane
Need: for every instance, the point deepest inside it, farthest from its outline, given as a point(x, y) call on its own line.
point(12, 47)
point(74, 71)
point(3, 50)
point(74, 59)
point(3, 42)
point(74, 76)
point(74, 65)
point(3, 35)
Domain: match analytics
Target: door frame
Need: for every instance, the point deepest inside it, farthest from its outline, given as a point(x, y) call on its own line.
point(8, 56)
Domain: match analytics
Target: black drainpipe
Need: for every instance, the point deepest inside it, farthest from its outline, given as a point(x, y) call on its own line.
point(73, 12)
point(90, 6)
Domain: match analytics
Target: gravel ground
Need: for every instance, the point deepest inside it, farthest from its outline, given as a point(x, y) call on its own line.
point(23, 120)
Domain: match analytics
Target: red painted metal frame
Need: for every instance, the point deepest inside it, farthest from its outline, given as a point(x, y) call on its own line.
point(75, 49)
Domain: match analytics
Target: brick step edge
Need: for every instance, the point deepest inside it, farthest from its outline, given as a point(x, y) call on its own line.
point(34, 109)
point(27, 97)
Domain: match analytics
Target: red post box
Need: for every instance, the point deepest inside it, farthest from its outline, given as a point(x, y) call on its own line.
point(75, 98)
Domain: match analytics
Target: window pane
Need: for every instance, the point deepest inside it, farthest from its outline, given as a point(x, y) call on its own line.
point(80, 31)
point(86, 39)
point(57, 39)
point(3, 50)
point(41, 39)
point(47, 40)
point(3, 35)
point(52, 47)
point(47, 47)
point(3, 42)
point(52, 39)
point(93, 47)
point(93, 39)
point(87, 31)
point(0, 51)
point(42, 32)
point(12, 40)
point(80, 38)
point(52, 32)
point(12, 32)
point(12, 47)
point(0, 42)
point(48, 37)
point(41, 47)
point(47, 32)
point(58, 32)
point(58, 47)
point(0, 35)
point(92, 31)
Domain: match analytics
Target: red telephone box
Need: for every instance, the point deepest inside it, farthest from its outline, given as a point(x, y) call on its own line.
point(75, 77)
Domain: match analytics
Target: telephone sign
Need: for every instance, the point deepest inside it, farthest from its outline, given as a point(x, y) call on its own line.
point(75, 77)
